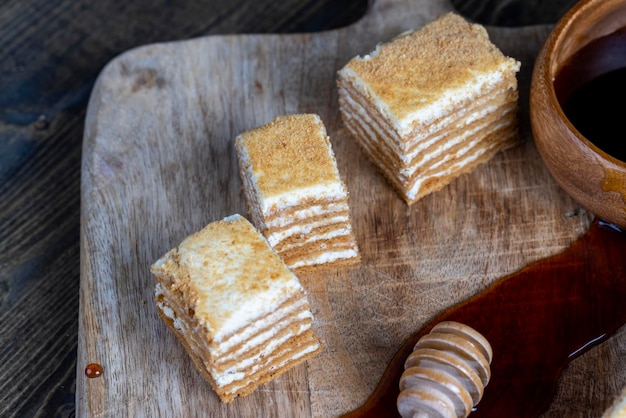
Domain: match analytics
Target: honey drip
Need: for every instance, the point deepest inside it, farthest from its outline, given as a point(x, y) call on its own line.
point(537, 320)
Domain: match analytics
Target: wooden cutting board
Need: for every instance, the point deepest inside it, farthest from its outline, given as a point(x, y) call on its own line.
point(159, 164)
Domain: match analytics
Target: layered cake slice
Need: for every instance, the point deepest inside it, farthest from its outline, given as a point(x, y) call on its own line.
point(431, 104)
point(242, 315)
point(294, 192)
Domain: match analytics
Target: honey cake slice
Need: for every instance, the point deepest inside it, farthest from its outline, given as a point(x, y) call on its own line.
point(241, 314)
point(431, 104)
point(295, 193)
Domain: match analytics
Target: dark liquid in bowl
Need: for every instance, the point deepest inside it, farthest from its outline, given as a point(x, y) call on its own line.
point(591, 87)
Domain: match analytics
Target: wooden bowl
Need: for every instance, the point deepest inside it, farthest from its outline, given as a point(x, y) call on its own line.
point(593, 178)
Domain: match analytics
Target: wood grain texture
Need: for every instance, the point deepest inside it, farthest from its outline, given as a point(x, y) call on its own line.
point(159, 164)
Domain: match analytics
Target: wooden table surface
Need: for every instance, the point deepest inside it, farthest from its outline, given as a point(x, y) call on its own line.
point(52, 52)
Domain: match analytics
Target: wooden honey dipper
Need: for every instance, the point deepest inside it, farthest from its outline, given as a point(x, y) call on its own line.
point(446, 374)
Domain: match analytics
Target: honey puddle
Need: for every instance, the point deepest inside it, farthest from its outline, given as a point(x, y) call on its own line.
point(537, 320)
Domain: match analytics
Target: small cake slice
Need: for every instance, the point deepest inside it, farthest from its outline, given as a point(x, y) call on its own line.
point(239, 311)
point(431, 104)
point(294, 192)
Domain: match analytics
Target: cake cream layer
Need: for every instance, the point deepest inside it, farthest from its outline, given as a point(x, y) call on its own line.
point(374, 139)
point(247, 356)
point(325, 233)
point(499, 136)
point(283, 358)
point(436, 144)
point(261, 344)
point(230, 385)
point(474, 134)
point(474, 155)
point(314, 202)
point(321, 244)
point(316, 245)
point(407, 147)
point(504, 138)
point(319, 254)
point(228, 275)
point(306, 230)
point(305, 211)
point(444, 142)
point(450, 139)
point(172, 305)
point(303, 228)
point(301, 243)
point(479, 135)
point(418, 77)
point(275, 348)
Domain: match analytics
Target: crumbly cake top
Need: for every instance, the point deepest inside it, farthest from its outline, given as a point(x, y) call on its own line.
point(290, 153)
point(228, 275)
point(417, 68)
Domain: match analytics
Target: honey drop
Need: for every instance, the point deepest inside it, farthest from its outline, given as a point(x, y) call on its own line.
point(93, 370)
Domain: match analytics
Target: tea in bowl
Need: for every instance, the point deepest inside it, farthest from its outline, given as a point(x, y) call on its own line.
point(576, 106)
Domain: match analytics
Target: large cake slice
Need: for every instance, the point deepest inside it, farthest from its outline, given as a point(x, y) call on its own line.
point(431, 104)
point(294, 192)
point(239, 311)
